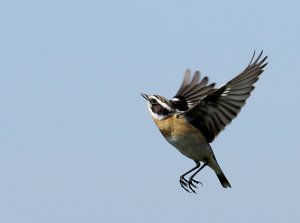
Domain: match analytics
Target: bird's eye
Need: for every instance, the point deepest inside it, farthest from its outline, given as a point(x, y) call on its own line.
point(153, 101)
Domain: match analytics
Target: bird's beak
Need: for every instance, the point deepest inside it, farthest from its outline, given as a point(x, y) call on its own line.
point(145, 96)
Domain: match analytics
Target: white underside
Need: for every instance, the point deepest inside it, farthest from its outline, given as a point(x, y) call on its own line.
point(190, 146)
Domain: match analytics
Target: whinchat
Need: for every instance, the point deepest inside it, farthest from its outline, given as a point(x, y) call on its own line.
point(198, 112)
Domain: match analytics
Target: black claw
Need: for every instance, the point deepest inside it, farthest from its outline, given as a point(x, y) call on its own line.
point(184, 184)
point(185, 189)
point(197, 182)
point(182, 181)
point(192, 189)
point(189, 185)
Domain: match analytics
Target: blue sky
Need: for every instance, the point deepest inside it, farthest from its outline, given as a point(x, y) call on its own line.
point(77, 143)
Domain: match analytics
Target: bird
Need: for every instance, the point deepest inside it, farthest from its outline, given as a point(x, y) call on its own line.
point(198, 112)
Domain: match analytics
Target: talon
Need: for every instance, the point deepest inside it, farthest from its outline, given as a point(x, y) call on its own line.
point(185, 189)
point(183, 181)
point(184, 184)
point(197, 182)
point(191, 185)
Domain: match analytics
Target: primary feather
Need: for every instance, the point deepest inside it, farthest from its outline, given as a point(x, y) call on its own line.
point(210, 109)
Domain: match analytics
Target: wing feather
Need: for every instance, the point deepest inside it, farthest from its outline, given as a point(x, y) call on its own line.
point(192, 91)
point(220, 106)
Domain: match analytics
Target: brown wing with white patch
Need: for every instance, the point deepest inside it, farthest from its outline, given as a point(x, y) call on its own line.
point(216, 110)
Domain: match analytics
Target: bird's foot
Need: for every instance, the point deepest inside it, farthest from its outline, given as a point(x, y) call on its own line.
point(192, 184)
point(189, 184)
point(184, 183)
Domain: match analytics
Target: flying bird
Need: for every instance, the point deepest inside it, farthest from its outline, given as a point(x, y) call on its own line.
point(198, 112)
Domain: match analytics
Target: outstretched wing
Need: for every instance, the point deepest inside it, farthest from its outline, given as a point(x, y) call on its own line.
point(212, 113)
point(191, 92)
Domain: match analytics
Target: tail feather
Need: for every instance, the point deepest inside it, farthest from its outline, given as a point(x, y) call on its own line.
point(215, 166)
point(223, 180)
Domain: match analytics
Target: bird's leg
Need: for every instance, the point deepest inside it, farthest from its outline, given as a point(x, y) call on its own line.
point(191, 180)
point(183, 182)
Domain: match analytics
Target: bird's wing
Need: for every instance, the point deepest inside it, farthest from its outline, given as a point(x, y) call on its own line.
point(216, 110)
point(192, 91)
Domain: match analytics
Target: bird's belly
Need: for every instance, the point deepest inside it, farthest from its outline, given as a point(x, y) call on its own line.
point(191, 146)
point(185, 137)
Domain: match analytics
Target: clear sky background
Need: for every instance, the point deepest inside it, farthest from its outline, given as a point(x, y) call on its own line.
point(77, 143)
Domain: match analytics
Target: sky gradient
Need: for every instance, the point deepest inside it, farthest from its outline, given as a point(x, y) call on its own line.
point(77, 143)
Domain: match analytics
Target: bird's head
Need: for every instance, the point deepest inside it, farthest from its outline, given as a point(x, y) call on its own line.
point(159, 107)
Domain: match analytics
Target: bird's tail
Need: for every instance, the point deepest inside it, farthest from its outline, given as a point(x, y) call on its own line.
point(223, 180)
point(221, 176)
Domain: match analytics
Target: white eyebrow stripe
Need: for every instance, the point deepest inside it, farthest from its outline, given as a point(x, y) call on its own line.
point(166, 106)
point(163, 104)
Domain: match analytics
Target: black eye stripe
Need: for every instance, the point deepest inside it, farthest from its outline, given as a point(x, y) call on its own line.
point(153, 101)
point(159, 101)
point(160, 110)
